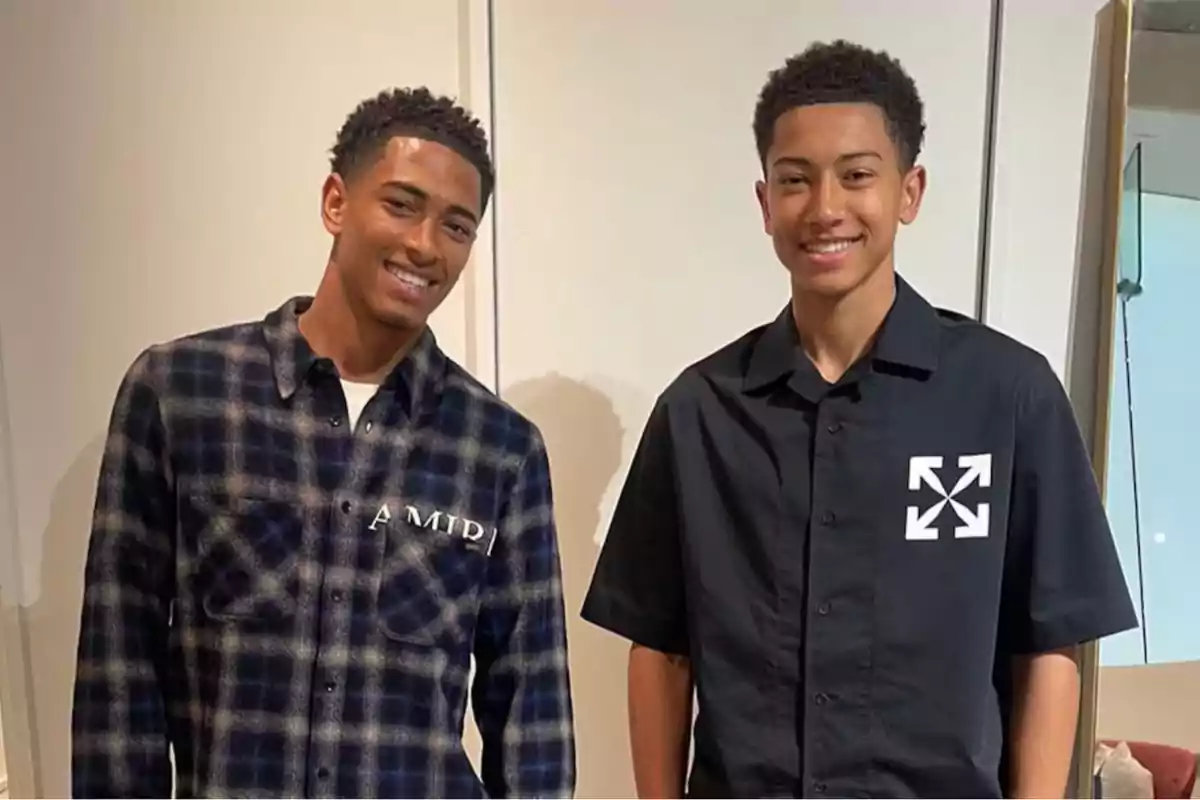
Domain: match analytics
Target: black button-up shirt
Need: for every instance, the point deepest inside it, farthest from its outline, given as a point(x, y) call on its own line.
point(293, 603)
point(851, 567)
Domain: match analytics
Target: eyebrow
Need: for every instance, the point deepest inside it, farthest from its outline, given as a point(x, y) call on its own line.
point(421, 194)
point(784, 161)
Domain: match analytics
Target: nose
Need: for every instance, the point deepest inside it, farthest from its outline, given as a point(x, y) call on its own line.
point(828, 202)
point(420, 241)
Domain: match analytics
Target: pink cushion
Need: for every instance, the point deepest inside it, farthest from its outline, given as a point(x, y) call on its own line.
point(1173, 768)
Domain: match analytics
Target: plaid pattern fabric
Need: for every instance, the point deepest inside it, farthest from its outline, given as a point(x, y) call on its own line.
point(293, 605)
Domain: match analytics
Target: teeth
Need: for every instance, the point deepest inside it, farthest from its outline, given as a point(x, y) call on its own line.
point(411, 279)
point(830, 247)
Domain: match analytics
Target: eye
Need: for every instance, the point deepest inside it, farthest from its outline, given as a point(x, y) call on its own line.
point(859, 175)
point(792, 180)
point(399, 207)
point(459, 231)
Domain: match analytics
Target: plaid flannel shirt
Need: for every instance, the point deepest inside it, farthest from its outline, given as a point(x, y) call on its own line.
point(292, 605)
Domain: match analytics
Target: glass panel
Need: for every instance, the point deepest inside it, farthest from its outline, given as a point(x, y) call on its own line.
point(1160, 328)
point(1154, 437)
point(1121, 492)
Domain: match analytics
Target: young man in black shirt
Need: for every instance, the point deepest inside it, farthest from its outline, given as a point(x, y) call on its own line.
point(867, 533)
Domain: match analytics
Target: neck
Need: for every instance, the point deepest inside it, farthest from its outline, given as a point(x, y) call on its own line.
point(837, 332)
point(340, 329)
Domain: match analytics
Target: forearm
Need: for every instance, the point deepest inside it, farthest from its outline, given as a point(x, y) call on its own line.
point(119, 743)
point(660, 721)
point(526, 725)
point(522, 693)
point(1043, 723)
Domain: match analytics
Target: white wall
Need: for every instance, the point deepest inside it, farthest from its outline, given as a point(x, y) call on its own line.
point(1049, 169)
point(163, 162)
point(162, 192)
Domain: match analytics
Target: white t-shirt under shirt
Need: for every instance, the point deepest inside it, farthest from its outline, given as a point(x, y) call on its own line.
point(357, 397)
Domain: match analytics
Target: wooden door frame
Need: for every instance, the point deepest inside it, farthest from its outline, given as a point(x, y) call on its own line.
point(1120, 29)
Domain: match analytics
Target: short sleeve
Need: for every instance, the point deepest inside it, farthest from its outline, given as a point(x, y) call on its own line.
point(637, 591)
point(1064, 584)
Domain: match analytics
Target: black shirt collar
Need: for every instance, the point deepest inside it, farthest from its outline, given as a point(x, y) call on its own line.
point(909, 337)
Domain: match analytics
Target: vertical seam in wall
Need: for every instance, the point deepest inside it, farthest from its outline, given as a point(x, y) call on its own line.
point(11, 522)
point(987, 182)
point(467, 97)
point(495, 224)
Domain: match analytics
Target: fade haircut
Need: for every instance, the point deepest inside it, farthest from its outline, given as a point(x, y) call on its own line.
point(411, 112)
point(843, 72)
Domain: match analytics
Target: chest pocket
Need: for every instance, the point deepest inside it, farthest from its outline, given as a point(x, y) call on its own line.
point(247, 550)
point(429, 582)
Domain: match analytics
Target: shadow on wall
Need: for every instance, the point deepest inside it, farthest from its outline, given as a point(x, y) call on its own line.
point(584, 437)
point(54, 619)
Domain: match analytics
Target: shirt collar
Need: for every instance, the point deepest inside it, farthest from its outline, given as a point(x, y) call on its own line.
point(294, 362)
point(910, 337)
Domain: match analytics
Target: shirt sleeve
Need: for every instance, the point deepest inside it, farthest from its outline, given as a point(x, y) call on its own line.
point(119, 745)
point(521, 694)
point(637, 590)
point(1064, 582)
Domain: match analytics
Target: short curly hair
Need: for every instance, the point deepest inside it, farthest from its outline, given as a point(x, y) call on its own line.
point(411, 112)
point(843, 72)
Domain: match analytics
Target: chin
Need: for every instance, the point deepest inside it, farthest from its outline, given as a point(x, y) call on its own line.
point(400, 317)
point(826, 283)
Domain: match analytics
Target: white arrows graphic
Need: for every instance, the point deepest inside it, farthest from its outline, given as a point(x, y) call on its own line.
point(923, 470)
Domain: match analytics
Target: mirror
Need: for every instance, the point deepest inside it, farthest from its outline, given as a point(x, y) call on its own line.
point(1147, 681)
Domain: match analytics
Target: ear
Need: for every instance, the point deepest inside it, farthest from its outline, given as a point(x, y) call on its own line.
point(913, 190)
point(764, 206)
point(333, 203)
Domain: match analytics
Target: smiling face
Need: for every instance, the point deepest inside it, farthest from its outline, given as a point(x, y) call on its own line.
point(403, 229)
point(834, 193)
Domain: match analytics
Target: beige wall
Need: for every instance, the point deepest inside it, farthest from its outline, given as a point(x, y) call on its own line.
point(1154, 703)
point(1158, 64)
point(169, 171)
point(1166, 110)
point(3, 763)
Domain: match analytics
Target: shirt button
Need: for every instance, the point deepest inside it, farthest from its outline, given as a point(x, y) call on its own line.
point(823, 609)
point(833, 427)
point(818, 788)
point(337, 595)
point(335, 421)
point(330, 686)
point(828, 518)
point(346, 506)
point(323, 773)
point(821, 698)
point(369, 426)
